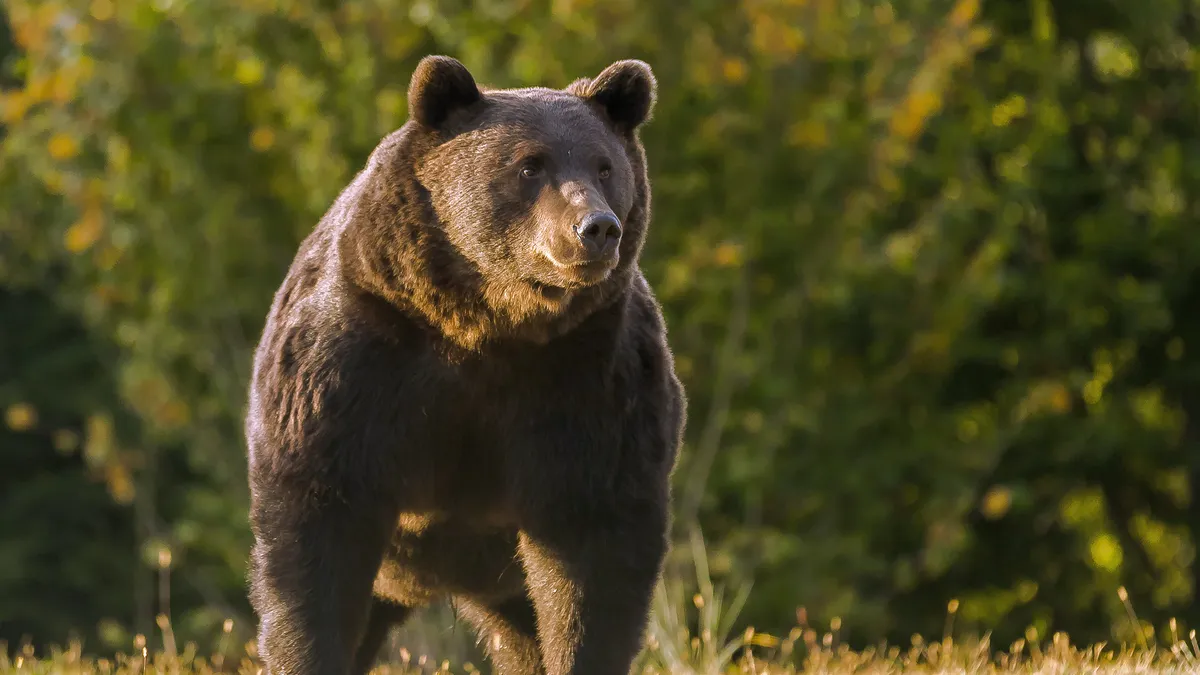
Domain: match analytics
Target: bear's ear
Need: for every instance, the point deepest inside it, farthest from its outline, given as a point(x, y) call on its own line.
point(440, 85)
point(625, 91)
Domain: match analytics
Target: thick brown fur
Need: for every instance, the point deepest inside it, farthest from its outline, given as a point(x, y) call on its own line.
point(454, 397)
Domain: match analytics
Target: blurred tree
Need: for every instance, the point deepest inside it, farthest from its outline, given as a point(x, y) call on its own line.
point(66, 546)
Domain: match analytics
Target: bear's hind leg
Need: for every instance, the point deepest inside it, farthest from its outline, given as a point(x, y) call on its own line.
point(508, 632)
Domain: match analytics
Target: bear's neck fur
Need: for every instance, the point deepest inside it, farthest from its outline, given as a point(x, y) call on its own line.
point(391, 244)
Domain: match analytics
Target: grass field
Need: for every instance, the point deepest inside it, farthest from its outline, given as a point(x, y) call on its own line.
point(692, 632)
point(1057, 657)
point(673, 649)
point(688, 638)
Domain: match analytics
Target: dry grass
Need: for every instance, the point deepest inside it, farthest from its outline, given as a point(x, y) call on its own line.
point(692, 633)
point(793, 655)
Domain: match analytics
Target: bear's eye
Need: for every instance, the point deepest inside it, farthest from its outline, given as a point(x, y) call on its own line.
point(605, 171)
point(531, 171)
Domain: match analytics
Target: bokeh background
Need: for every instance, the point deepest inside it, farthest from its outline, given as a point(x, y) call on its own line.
point(931, 270)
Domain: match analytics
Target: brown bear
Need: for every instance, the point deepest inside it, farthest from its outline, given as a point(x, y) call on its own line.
point(464, 389)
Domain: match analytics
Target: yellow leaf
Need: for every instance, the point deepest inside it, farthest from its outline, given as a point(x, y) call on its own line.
point(262, 138)
point(13, 106)
point(85, 232)
point(996, 502)
point(62, 88)
point(775, 38)
point(1011, 108)
point(964, 12)
point(86, 66)
point(728, 255)
point(62, 146)
point(1114, 55)
point(1106, 552)
point(38, 88)
point(30, 34)
point(734, 70)
point(102, 10)
point(80, 33)
point(120, 484)
point(249, 71)
point(923, 103)
point(1060, 399)
point(20, 416)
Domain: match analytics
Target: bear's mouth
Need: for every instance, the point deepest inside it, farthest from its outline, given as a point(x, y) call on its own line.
point(582, 274)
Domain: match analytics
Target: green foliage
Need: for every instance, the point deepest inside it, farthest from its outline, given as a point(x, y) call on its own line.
point(66, 546)
point(929, 269)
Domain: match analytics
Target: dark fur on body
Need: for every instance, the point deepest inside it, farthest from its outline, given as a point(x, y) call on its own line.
point(452, 399)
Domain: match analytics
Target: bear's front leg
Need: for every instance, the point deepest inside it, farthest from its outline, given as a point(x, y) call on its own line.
point(591, 574)
point(315, 558)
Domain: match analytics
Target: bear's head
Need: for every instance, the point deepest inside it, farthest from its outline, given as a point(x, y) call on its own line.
point(533, 203)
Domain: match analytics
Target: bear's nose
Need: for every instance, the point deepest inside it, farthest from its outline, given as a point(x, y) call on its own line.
point(600, 233)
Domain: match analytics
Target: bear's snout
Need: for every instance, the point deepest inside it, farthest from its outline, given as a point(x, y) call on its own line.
point(583, 247)
point(600, 234)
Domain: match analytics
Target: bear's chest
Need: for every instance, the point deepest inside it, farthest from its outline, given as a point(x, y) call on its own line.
point(497, 404)
point(471, 429)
